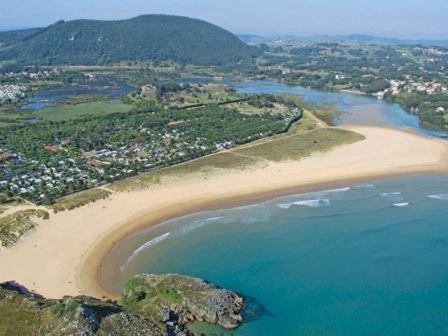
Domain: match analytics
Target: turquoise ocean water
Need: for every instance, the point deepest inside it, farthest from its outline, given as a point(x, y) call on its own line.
point(368, 259)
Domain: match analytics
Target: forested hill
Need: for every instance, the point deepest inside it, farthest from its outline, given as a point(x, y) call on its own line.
point(147, 37)
point(14, 36)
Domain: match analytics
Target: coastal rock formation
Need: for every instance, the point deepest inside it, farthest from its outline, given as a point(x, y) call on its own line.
point(25, 313)
point(152, 305)
point(183, 299)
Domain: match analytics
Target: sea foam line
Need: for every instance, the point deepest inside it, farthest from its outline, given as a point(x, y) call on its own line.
point(395, 197)
point(331, 191)
point(441, 197)
point(397, 193)
point(367, 186)
point(213, 219)
point(315, 203)
point(145, 246)
point(198, 224)
point(401, 205)
point(161, 238)
point(320, 193)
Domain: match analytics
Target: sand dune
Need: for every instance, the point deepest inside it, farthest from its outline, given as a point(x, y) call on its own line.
point(62, 256)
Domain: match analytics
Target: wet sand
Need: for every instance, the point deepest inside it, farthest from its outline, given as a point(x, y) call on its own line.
point(65, 255)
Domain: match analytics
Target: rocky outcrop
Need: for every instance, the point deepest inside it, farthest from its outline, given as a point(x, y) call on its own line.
point(181, 299)
point(24, 313)
point(152, 305)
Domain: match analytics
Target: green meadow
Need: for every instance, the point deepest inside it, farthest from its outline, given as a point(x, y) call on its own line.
point(63, 112)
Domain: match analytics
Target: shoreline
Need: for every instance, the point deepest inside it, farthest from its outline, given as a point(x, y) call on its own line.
point(65, 255)
point(93, 278)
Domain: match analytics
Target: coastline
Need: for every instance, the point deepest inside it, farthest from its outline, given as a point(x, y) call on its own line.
point(96, 272)
point(63, 256)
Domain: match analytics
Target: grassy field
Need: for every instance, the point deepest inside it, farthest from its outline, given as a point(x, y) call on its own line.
point(13, 227)
point(245, 107)
point(226, 160)
point(4, 124)
point(64, 112)
point(206, 165)
point(140, 182)
point(327, 114)
point(299, 146)
point(81, 110)
point(10, 116)
point(19, 315)
point(307, 123)
point(79, 199)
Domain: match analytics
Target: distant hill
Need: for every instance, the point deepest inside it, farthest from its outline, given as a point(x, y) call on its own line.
point(147, 37)
point(251, 38)
point(351, 38)
point(369, 39)
point(14, 36)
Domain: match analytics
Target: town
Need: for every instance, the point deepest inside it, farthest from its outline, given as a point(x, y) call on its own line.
point(11, 93)
point(45, 161)
point(416, 77)
point(171, 122)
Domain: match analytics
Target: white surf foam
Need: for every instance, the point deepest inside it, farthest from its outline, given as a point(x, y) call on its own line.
point(393, 196)
point(315, 203)
point(213, 219)
point(365, 186)
point(401, 205)
point(285, 205)
point(441, 197)
point(145, 246)
point(397, 193)
point(152, 242)
point(198, 224)
point(332, 191)
point(255, 220)
point(318, 194)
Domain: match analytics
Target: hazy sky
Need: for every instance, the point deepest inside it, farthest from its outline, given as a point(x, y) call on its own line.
point(400, 18)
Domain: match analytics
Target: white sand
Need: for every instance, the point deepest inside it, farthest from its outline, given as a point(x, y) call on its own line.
point(61, 257)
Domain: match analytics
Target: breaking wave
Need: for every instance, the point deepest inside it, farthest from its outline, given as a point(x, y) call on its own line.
point(401, 205)
point(331, 191)
point(442, 197)
point(397, 193)
point(316, 203)
point(145, 246)
point(365, 186)
point(198, 224)
point(392, 196)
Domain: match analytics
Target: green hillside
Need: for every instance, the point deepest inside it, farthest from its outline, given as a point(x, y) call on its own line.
point(148, 37)
point(14, 36)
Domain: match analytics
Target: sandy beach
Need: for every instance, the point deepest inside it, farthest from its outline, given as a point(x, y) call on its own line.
point(63, 255)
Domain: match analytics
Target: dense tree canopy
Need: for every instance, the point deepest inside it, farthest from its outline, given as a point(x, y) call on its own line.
point(148, 37)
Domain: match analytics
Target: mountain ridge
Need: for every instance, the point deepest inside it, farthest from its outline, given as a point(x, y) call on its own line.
point(154, 37)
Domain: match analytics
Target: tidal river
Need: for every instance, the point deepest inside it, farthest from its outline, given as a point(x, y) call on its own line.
point(356, 108)
point(365, 259)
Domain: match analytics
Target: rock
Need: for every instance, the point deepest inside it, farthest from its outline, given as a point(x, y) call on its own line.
point(163, 313)
point(126, 324)
point(186, 298)
point(82, 323)
point(79, 316)
point(152, 305)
